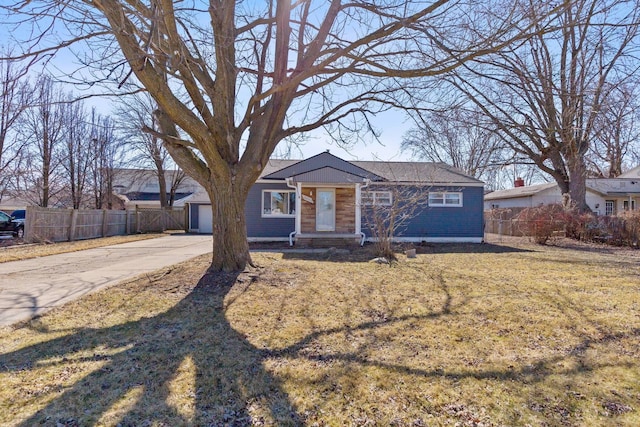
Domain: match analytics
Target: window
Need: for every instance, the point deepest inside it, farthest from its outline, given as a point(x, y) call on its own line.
point(448, 199)
point(279, 203)
point(609, 207)
point(380, 198)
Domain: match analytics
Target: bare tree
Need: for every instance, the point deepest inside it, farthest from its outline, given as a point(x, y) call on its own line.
point(545, 95)
point(105, 150)
point(617, 134)
point(42, 128)
point(234, 79)
point(14, 99)
point(460, 138)
point(75, 149)
point(135, 114)
point(387, 217)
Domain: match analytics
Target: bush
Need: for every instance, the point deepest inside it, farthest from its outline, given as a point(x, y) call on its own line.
point(619, 230)
point(582, 226)
point(542, 222)
point(625, 229)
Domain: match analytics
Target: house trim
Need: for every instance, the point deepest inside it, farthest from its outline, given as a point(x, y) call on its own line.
point(432, 239)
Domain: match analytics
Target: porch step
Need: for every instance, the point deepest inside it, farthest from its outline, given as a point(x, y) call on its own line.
point(327, 242)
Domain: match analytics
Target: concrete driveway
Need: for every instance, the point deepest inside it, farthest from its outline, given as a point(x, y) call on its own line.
point(31, 287)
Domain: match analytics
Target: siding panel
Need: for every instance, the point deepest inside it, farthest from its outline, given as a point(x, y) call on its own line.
point(258, 226)
point(445, 222)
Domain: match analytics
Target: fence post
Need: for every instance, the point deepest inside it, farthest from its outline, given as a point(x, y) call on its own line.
point(73, 225)
point(105, 223)
point(137, 220)
point(186, 218)
point(29, 224)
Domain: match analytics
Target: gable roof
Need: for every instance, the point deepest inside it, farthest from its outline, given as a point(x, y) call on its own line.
point(602, 186)
point(320, 161)
point(328, 175)
point(319, 167)
point(631, 173)
point(516, 192)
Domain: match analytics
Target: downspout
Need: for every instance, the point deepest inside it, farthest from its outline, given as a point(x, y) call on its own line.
point(290, 184)
point(365, 185)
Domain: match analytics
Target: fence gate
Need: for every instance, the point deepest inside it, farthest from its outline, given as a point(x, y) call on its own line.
point(158, 220)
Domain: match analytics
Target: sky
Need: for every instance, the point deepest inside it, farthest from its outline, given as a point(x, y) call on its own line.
point(391, 125)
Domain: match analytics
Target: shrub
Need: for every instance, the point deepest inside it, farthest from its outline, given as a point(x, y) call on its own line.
point(582, 225)
point(542, 222)
point(625, 229)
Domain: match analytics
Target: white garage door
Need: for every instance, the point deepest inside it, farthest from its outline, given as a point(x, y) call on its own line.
point(205, 219)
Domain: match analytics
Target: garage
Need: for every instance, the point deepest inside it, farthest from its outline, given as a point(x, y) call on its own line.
point(205, 219)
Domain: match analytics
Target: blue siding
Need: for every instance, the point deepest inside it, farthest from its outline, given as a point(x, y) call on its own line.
point(445, 222)
point(257, 226)
point(430, 222)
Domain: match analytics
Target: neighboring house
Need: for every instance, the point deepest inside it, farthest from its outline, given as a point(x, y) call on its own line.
point(139, 187)
point(325, 197)
point(9, 204)
point(605, 196)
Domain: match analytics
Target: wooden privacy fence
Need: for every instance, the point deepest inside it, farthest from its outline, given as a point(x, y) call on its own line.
point(61, 225)
point(520, 227)
point(505, 222)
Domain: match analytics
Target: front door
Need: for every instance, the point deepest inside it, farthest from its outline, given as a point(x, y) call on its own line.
point(326, 210)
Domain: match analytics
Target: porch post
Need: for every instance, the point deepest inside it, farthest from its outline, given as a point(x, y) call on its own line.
point(298, 207)
point(358, 210)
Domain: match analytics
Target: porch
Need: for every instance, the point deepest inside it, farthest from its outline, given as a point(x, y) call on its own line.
point(327, 215)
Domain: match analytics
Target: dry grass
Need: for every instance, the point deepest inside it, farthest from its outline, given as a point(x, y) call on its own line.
point(475, 335)
point(20, 252)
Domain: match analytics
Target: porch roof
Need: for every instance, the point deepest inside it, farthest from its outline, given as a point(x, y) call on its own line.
point(329, 175)
point(319, 165)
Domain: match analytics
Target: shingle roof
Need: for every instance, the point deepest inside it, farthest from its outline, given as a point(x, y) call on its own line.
point(603, 186)
point(515, 192)
point(151, 197)
point(438, 173)
point(274, 165)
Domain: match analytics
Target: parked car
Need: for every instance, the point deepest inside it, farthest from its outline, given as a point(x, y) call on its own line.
point(13, 225)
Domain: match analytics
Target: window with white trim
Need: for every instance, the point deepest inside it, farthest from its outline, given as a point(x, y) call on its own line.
point(278, 203)
point(609, 207)
point(445, 199)
point(379, 198)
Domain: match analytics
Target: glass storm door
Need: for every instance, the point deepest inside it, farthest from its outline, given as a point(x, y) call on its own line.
point(325, 210)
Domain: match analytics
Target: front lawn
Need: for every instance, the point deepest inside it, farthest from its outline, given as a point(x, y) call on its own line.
point(469, 335)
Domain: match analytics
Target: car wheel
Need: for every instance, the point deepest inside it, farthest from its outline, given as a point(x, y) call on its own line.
point(20, 233)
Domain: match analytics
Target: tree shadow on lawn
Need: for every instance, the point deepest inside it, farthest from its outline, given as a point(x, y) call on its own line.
point(367, 252)
point(231, 386)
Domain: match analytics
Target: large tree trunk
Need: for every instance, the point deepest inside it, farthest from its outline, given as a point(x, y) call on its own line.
point(230, 246)
point(577, 184)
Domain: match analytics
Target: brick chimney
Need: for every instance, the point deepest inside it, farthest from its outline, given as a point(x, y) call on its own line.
point(519, 182)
